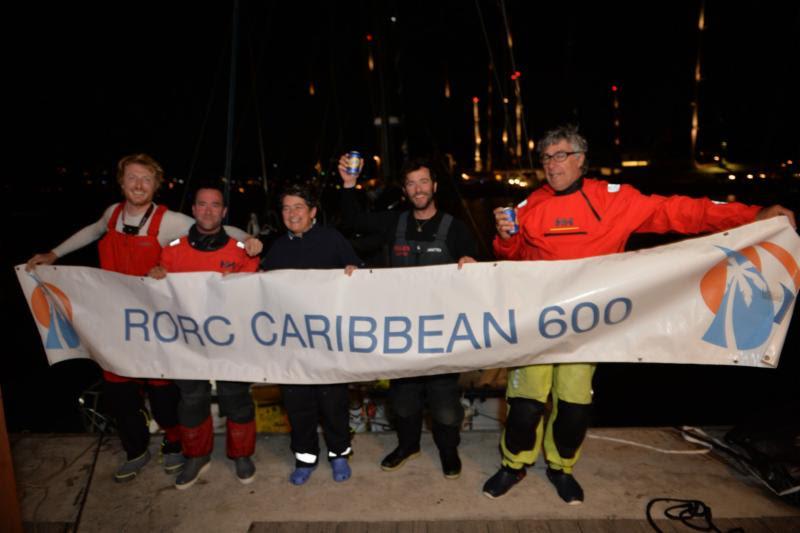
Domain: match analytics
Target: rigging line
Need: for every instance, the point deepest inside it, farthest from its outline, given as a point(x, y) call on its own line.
point(203, 126)
point(260, 132)
point(334, 86)
point(243, 113)
point(514, 68)
point(231, 107)
point(88, 486)
point(494, 66)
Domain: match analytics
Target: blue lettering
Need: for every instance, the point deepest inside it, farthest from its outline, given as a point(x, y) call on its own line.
point(323, 332)
point(339, 333)
point(595, 317)
point(423, 333)
point(207, 330)
point(157, 330)
point(289, 321)
point(607, 313)
point(510, 337)
point(388, 334)
point(258, 338)
point(370, 333)
point(468, 336)
point(195, 329)
point(129, 324)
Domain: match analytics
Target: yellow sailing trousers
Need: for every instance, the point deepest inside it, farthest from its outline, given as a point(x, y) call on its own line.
point(570, 385)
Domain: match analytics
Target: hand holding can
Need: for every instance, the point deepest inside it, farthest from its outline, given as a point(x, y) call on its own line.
point(511, 215)
point(355, 161)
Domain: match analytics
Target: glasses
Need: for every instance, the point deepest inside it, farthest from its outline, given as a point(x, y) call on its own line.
point(559, 157)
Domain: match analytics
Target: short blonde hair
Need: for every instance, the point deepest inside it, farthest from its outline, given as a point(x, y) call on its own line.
point(141, 159)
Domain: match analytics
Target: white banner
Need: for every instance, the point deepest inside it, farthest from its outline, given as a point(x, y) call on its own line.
point(722, 299)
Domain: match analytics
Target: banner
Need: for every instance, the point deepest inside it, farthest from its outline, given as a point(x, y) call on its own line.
point(723, 299)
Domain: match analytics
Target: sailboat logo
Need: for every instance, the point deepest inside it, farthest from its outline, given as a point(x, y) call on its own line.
point(744, 304)
point(57, 321)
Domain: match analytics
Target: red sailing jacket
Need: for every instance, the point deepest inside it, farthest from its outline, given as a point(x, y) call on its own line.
point(179, 256)
point(131, 254)
point(599, 218)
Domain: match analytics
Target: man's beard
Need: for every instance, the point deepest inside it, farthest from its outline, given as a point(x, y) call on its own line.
point(424, 206)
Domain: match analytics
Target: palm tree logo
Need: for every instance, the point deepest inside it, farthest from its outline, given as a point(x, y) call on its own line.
point(736, 291)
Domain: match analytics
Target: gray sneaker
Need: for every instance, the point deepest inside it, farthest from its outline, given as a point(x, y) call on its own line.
point(245, 470)
point(172, 462)
point(192, 468)
point(130, 468)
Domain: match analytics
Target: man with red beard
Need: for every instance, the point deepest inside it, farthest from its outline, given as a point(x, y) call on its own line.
point(422, 235)
point(131, 235)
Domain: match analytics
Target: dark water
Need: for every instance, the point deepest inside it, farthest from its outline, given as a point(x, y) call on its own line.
point(42, 398)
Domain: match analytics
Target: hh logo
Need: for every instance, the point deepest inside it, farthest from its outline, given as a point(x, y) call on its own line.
point(563, 222)
point(57, 323)
point(227, 265)
point(744, 303)
point(402, 250)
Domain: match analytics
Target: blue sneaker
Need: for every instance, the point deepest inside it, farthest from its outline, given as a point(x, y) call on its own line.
point(341, 469)
point(301, 474)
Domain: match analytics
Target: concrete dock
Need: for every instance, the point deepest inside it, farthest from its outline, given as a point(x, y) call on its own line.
point(65, 484)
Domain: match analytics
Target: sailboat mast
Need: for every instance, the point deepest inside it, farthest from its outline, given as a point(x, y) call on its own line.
point(231, 103)
point(697, 79)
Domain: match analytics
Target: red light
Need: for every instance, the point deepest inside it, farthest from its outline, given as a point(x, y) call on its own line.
point(613, 88)
point(516, 75)
point(475, 100)
point(369, 37)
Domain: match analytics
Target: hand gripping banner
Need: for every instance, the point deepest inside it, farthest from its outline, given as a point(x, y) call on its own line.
point(723, 299)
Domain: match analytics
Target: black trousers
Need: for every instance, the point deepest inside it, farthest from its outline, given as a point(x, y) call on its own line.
point(409, 396)
point(126, 404)
point(310, 405)
point(233, 398)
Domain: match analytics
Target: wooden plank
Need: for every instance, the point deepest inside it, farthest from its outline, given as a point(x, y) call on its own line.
point(533, 526)
point(379, 527)
point(750, 525)
point(782, 524)
point(46, 527)
point(628, 525)
point(564, 526)
point(412, 527)
point(353, 527)
point(278, 527)
point(670, 526)
point(321, 527)
point(9, 501)
point(458, 526)
point(503, 526)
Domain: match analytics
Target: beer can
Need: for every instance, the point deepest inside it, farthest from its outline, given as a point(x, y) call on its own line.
point(512, 216)
point(354, 162)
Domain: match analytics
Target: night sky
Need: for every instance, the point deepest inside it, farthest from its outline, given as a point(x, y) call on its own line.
point(98, 80)
point(89, 82)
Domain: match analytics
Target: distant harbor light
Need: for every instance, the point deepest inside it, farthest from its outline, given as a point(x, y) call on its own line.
point(634, 163)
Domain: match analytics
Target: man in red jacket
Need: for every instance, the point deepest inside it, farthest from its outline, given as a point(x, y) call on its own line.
point(208, 248)
point(573, 217)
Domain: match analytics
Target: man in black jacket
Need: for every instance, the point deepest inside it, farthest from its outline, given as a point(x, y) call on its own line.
point(420, 236)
